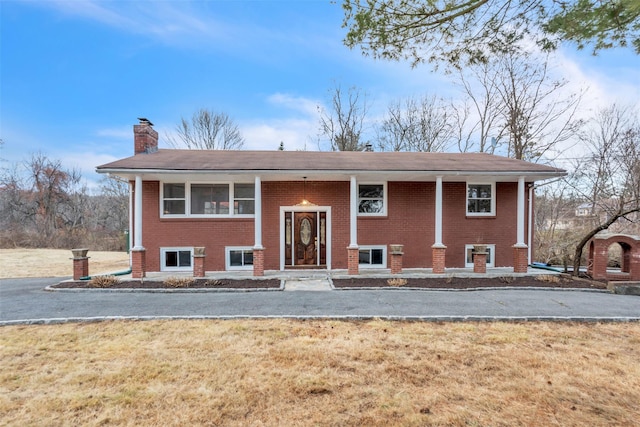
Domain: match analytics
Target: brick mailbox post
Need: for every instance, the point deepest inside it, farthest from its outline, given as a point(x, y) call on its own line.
point(80, 263)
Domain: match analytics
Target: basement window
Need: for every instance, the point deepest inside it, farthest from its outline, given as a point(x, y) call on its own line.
point(176, 259)
point(373, 256)
point(491, 250)
point(239, 257)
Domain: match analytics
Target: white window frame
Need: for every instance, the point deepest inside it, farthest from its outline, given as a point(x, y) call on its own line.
point(385, 199)
point(227, 257)
point(187, 200)
point(491, 256)
point(164, 250)
point(372, 247)
point(162, 199)
point(493, 199)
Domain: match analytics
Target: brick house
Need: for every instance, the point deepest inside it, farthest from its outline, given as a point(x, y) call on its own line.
point(279, 210)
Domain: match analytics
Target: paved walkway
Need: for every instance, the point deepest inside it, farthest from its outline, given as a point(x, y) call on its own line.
point(26, 301)
point(303, 284)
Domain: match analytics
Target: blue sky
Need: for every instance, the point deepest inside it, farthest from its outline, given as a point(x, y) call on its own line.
point(75, 75)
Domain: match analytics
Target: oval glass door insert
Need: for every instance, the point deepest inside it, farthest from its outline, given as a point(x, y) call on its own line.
point(305, 231)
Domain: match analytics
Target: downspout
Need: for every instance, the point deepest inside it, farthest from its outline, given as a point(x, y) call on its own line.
point(116, 273)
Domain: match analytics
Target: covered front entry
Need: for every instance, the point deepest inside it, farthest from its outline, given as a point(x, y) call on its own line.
point(305, 237)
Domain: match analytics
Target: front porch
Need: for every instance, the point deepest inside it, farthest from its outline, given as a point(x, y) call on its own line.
point(311, 274)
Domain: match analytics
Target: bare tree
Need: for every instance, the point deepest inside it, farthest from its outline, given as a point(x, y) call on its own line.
point(515, 100)
point(343, 125)
point(536, 115)
point(417, 125)
point(207, 130)
point(609, 176)
point(479, 85)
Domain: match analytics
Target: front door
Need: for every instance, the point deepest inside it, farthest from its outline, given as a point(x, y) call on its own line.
point(305, 244)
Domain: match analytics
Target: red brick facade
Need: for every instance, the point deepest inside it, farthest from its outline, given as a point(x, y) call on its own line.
point(410, 221)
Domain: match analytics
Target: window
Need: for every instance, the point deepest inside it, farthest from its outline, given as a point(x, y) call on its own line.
point(176, 259)
point(371, 199)
point(207, 199)
point(481, 199)
point(173, 201)
point(373, 256)
point(244, 199)
point(491, 250)
point(239, 258)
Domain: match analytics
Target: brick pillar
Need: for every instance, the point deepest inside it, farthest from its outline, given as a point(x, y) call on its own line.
point(438, 254)
point(198, 261)
point(396, 258)
point(479, 259)
point(520, 261)
point(138, 263)
point(258, 262)
point(80, 263)
point(353, 261)
point(600, 258)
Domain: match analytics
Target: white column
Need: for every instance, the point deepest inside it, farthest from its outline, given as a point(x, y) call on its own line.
point(353, 213)
point(530, 223)
point(438, 230)
point(520, 216)
point(137, 221)
point(258, 214)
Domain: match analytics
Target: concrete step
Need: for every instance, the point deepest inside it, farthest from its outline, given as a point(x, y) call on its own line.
point(304, 284)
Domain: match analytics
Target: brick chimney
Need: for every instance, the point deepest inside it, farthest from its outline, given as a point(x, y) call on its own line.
point(145, 138)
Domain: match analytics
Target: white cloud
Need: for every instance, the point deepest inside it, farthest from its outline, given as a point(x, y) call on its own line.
point(296, 134)
point(169, 22)
point(297, 103)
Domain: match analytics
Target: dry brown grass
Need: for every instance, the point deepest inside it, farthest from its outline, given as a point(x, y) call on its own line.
point(103, 281)
point(56, 262)
point(397, 282)
point(285, 372)
point(179, 282)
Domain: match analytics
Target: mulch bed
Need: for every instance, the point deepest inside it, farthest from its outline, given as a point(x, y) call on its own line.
point(197, 284)
point(470, 283)
point(359, 282)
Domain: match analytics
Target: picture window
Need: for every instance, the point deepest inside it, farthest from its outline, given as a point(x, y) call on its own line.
point(481, 199)
point(371, 199)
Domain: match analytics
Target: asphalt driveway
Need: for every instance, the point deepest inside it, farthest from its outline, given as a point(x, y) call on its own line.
point(26, 301)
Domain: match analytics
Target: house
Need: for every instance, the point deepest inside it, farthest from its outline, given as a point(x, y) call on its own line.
point(279, 210)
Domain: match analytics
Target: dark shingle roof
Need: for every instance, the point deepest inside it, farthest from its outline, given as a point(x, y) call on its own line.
point(319, 161)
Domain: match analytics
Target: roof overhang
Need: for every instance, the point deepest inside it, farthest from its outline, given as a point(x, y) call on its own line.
point(328, 175)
